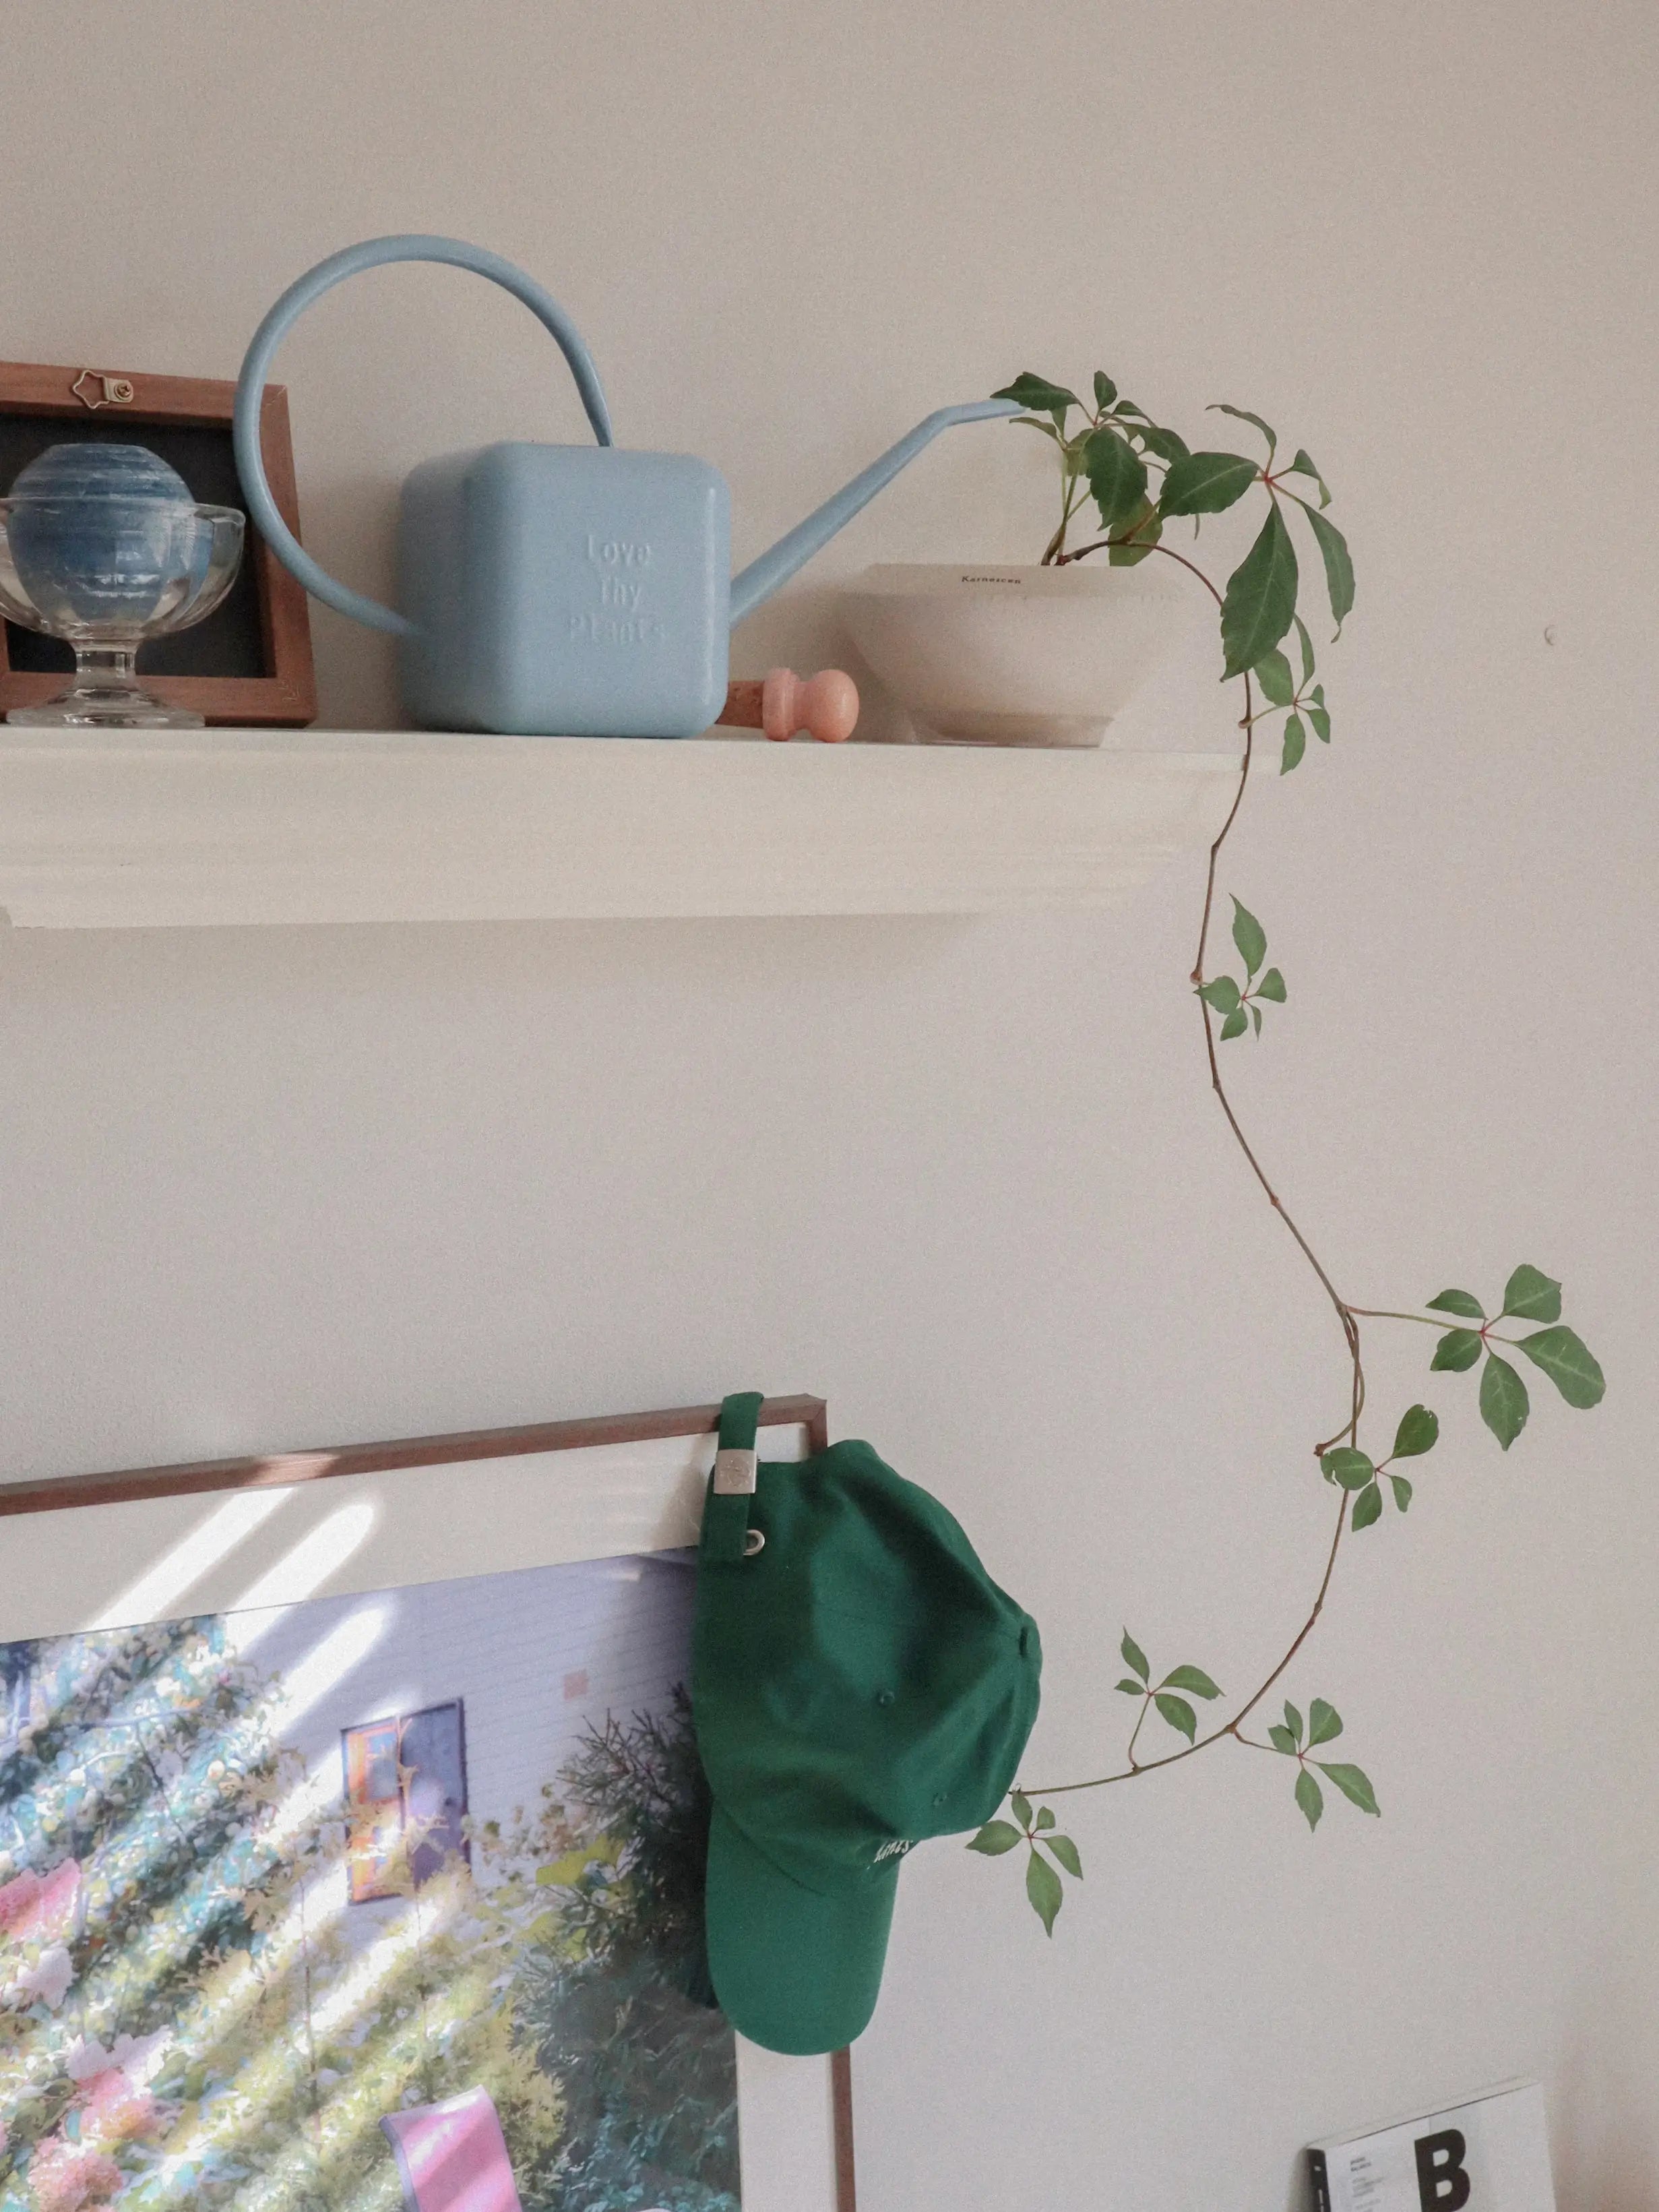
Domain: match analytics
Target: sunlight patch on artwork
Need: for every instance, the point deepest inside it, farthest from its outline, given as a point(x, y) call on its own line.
point(322, 1668)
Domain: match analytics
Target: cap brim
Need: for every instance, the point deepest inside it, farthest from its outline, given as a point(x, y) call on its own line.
point(793, 1971)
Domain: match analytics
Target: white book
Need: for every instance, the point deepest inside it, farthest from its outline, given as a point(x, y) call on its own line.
point(1490, 2154)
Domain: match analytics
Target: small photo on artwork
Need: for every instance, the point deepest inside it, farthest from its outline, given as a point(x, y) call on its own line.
point(363, 1904)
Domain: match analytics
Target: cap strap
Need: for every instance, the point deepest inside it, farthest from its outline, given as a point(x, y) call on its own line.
point(732, 1484)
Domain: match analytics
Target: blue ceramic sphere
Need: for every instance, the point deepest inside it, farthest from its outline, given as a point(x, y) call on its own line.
point(100, 472)
point(106, 537)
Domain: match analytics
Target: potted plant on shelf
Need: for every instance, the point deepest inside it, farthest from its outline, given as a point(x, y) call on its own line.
point(1048, 655)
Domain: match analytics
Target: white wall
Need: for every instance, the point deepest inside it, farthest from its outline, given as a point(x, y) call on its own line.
point(285, 1187)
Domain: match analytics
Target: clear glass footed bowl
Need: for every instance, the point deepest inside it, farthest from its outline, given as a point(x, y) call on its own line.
point(103, 546)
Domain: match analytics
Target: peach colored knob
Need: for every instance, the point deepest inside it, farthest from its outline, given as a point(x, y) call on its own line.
point(826, 706)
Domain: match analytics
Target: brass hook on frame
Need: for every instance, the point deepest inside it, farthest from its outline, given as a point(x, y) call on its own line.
point(116, 391)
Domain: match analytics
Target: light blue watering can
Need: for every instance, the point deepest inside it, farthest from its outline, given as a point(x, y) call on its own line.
point(572, 590)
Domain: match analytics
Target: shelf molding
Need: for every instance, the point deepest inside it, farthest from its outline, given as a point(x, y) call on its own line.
point(168, 829)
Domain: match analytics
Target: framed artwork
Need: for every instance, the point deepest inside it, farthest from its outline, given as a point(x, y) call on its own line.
point(250, 661)
point(351, 1829)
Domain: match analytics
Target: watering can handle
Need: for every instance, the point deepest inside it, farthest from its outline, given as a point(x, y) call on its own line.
point(250, 388)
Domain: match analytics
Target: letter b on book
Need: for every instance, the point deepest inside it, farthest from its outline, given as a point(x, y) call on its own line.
point(1442, 2179)
point(1488, 2155)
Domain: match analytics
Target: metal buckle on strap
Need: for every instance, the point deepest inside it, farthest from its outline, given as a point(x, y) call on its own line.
point(735, 1473)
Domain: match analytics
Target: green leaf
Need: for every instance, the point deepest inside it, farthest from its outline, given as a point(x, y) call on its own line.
point(1164, 443)
point(1367, 1506)
point(1190, 1678)
point(1309, 1798)
point(1281, 1739)
point(1271, 986)
point(1133, 1689)
point(1134, 1656)
point(1352, 1469)
point(1355, 1783)
point(1324, 1722)
point(1504, 1402)
point(1037, 393)
point(1458, 1349)
point(1302, 467)
point(1045, 1819)
point(1244, 415)
point(1260, 597)
point(1235, 1025)
point(1255, 1016)
point(995, 1837)
point(1178, 1713)
point(1529, 1295)
point(1296, 744)
point(1293, 1720)
point(1139, 535)
point(1301, 628)
point(1249, 936)
point(1044, 1888)
point(1322, 721)
point(1020, 1806)
point(1402, 1492)
point(1419, 1431)
point(1458, 1302)
point(1031, 422)
point(1117, 476)
point(1273, 673)
point(1074, 457)
point(1338, 569)
point(1105, 389)
point(1067, 1852)
point(1222, 995)
point(1568, 1362)
point(1206, 484)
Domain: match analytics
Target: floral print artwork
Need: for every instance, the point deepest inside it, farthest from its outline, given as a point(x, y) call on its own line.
point(187, 2020)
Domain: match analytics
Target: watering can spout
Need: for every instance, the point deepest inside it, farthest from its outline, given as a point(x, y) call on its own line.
point(761, 577)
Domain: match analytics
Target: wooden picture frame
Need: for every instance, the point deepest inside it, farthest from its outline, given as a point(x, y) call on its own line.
point(90, 1553)
point(252, 656)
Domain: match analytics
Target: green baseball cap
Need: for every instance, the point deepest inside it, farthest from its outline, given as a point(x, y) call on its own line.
point(857, 1683)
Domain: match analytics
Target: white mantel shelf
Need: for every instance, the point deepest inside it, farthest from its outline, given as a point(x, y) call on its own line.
point(163, 828)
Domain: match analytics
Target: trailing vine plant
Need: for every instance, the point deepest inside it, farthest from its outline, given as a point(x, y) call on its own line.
point(1139, 477)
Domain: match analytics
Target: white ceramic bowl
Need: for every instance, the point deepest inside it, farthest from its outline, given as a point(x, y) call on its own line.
point(1012, 656)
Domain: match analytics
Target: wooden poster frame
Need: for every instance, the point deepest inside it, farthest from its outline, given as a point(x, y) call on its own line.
point(135, 1485)
point(286, 695)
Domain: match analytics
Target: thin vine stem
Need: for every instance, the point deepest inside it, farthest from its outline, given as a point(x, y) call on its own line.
point(1228, 1728)
point(1486, 1331)
point(1344, 1311)
point(1134, 1734)
point(1348, 1317)
point(1105, 544)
